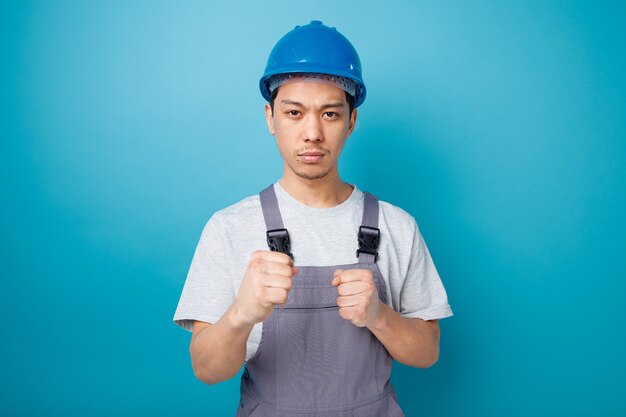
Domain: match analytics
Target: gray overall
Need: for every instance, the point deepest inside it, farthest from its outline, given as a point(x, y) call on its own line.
point(311, 361)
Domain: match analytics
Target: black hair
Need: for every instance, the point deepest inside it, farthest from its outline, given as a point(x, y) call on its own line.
point(349, 98)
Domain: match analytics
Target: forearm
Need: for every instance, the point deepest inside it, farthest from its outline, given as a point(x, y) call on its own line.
point(413, 342)
point(218, 351)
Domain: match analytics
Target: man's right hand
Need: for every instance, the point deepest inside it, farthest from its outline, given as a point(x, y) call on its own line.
point(266, 283)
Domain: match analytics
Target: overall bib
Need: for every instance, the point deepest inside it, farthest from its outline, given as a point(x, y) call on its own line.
point(311, 362)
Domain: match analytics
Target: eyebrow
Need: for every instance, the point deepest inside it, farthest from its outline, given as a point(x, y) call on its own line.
point(322, 107)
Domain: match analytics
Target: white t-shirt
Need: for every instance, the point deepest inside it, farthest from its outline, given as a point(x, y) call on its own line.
point(319, 237)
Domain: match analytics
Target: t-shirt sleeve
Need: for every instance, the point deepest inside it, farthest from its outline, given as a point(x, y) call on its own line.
point(208, 291)
point(423, 294)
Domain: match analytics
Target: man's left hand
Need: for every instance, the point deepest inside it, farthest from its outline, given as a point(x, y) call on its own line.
point(358, 298)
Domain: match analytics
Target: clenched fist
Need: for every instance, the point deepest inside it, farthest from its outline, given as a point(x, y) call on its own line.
point(358, 297)
point(266, 283)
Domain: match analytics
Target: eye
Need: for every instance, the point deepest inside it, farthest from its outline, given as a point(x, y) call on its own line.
point(294, 113)
point(331, 115)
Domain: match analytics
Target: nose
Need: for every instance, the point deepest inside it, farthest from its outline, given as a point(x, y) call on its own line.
point(313, 129)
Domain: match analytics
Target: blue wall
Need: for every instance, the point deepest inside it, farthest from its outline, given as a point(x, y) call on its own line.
point(498, 125)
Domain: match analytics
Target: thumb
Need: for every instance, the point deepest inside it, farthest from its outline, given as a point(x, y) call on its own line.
point(337, 277)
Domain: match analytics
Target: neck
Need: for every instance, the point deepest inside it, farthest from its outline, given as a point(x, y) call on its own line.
point(317, 193)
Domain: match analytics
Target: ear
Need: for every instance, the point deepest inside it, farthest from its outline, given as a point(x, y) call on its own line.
point(352, 122)
point(269, 117)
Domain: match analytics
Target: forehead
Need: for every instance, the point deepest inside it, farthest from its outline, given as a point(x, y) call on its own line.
point(310, 91)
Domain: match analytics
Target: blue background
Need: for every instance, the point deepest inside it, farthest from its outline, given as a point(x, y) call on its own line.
point(498, 125)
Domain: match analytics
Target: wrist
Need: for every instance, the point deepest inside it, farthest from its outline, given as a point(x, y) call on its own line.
point(236, 319)
point(380, 320)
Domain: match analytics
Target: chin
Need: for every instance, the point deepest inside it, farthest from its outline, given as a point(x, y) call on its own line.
point(312, 174)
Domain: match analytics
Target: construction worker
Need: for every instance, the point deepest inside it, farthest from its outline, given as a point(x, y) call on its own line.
point(312, 284)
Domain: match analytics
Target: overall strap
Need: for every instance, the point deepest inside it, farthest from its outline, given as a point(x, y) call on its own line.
point(369, 233)
point(277, 235)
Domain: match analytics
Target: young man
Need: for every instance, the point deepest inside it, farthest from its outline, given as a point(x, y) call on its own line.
point(313, 284)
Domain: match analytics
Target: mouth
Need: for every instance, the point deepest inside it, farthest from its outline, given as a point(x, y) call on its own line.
point(311, 157)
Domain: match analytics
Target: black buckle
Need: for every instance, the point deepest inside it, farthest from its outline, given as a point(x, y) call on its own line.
point(369, 237)
point(278, 241)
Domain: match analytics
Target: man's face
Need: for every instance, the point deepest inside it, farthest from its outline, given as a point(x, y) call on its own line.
point(311, 124)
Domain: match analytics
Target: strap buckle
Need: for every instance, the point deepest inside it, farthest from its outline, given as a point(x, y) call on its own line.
point(369, 237)
point(278, 241)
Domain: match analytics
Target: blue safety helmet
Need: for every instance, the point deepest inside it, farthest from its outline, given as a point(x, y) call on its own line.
point(314, 48)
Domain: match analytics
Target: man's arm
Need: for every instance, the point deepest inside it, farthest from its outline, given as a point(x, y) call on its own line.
point(411, 341)
point(218, 350)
